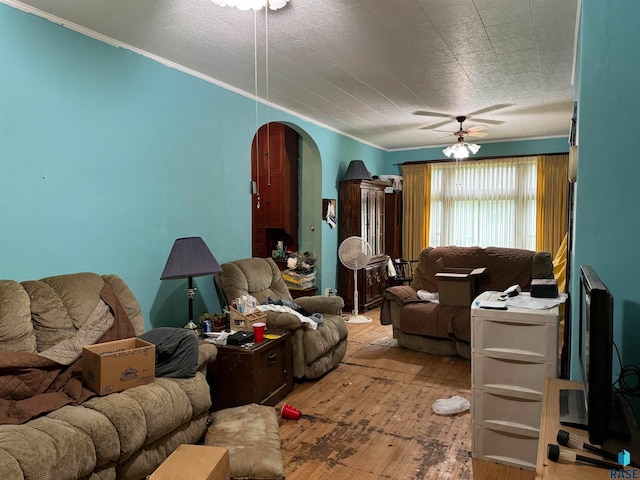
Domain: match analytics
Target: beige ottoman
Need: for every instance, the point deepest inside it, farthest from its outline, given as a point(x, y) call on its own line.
point(251, 434)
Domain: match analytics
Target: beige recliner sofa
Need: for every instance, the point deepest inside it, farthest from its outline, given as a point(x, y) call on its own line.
point(315, 352)
point(446, 329)
point(122, 435)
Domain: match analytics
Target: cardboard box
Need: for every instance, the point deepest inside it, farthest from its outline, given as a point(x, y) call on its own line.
point(115, 366)
point(457, 286)
point(194, 462)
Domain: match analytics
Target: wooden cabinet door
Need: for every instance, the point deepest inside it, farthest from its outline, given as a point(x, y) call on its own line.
point(378, 246)
point(382, 279)
point(393, 224)
point(372, 218)
point(369, 287)
point(373, 281)
point(275, 169)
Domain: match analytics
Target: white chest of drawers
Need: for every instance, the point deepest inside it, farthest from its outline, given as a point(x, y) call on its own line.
point(512, 352)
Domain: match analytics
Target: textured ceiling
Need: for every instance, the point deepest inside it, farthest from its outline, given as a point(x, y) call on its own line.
point(367, 68)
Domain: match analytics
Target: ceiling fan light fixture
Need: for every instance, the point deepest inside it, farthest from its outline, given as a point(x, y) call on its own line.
point(252, 4)
point(461, 150)
point(448, 151)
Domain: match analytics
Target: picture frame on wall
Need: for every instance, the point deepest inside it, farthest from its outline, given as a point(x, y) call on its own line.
point(329, 211)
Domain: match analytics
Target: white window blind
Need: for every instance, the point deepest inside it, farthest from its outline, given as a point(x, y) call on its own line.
point(486, 203)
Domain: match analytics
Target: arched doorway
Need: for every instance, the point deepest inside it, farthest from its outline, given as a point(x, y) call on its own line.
point(299, 167)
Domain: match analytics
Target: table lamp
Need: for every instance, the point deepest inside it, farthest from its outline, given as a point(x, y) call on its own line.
point(190, 257)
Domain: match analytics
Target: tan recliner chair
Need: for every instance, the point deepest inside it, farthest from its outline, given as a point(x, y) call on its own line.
point(315, 352)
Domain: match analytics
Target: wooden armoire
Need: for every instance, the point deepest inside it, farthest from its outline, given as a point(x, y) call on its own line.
point(274, 164)
point(361, 207)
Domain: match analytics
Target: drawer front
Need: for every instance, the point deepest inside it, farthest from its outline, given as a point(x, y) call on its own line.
point(507, 446)
point(535, 341)
point(498, 409)
point(515, 377)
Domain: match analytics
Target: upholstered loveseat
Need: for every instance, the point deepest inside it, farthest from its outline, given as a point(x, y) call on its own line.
point(122, 435)
point(446, 329)
point(315, 351)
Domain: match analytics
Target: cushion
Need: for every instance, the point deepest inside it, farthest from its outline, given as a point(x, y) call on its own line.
point(251, 434)
point(259, 277)
point(16, 329)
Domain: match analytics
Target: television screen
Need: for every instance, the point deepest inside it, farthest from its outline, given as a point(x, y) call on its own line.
point(596, 350)
point(594, 408)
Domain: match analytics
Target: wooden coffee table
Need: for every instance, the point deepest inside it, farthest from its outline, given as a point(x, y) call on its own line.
point(261, 373)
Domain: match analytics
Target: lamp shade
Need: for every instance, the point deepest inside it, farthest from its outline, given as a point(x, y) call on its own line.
point(357, 171)
point(190, 257)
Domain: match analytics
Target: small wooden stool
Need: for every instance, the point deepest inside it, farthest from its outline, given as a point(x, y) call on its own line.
point(251, 433)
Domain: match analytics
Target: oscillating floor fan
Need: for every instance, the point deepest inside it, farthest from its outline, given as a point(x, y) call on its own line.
point(355, 253)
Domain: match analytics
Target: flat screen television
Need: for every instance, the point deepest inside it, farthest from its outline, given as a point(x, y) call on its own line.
point(594, 408)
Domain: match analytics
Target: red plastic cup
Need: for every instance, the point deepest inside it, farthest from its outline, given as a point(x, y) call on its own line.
point(258, 331)
point(290, 412)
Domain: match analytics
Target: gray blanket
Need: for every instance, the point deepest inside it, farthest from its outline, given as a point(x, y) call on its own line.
point(176, 351)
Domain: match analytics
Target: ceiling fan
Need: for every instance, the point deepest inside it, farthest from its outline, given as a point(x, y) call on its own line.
point(461, 150)
point(469, 116)
point(476, 131)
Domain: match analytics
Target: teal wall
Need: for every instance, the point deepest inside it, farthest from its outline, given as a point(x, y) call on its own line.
point(106, 157)
point(607, 194)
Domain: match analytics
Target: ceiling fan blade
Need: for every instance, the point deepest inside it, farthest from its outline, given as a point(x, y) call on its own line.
point(477, 134)
point(444, 136)
point(435, 125)
point(477, 128)
point(486, 120)
point(431, 114)
point(491, 108)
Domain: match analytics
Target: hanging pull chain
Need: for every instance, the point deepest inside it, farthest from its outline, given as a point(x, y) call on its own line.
point(266, 69)
point(255, 87)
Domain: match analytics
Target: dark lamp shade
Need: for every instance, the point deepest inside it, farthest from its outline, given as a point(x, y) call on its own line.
point(190, 257)
point(357, 171)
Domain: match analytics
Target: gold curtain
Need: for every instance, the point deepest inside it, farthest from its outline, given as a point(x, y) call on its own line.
point(551, 202)
point(416, 207)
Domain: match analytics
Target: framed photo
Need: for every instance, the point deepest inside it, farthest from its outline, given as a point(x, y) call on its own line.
point(329, 211)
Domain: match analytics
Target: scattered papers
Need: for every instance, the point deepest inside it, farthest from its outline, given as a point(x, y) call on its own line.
point(524, 300)
point(535, 303)
point(218, 340)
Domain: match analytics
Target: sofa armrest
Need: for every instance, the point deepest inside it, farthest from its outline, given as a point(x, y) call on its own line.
point(321, 304)
point(283, 321)
point(401, 294)
point(207, 352)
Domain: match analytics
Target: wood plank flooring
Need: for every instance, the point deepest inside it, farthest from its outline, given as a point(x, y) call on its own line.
point(371, 417)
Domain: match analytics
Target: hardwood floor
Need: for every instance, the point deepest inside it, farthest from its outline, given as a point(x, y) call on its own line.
point(371, 417)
